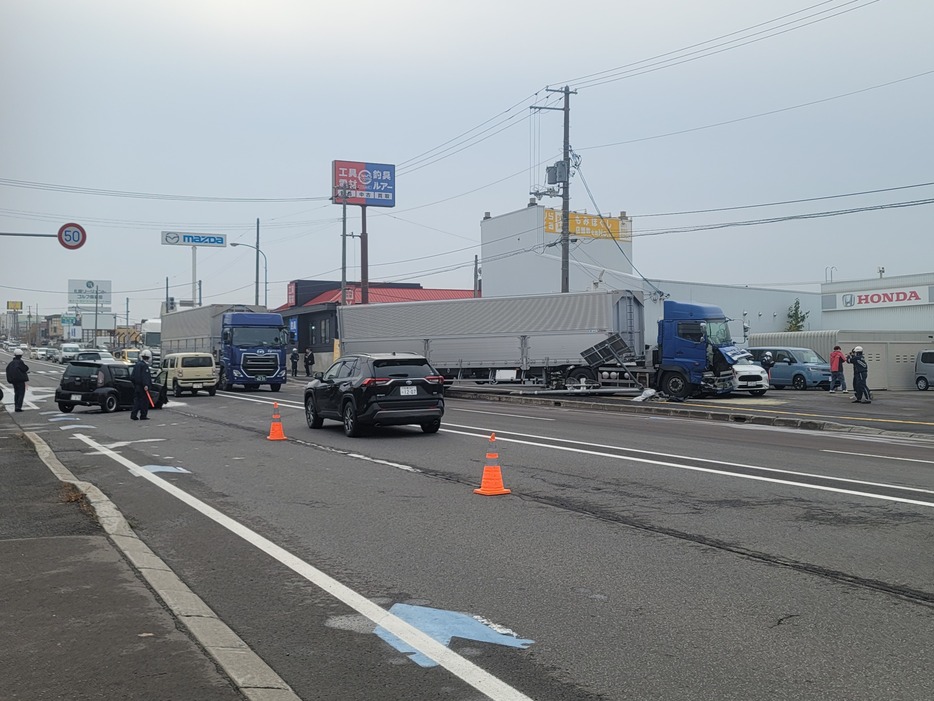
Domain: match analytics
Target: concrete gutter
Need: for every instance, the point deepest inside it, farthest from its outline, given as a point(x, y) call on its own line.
point(249, 673)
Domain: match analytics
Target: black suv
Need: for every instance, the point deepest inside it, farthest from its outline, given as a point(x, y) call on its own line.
point(103, 383)
point(377, 389)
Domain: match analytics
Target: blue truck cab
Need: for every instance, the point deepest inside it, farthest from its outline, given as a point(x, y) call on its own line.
point(253, 350)
point(695, 352)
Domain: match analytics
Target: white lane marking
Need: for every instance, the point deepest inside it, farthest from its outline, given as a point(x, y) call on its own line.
point(880, 457)
point(292, 404)
point(481, 680)
point(449, 407)
point(723, 473)
point(71, 426)
point(747, 466)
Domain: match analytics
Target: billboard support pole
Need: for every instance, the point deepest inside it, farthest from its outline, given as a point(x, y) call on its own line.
point(194, 274)
point(344, 247)
point(364, 260)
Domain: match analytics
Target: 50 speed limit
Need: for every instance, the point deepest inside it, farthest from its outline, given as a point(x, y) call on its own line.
point(72, 236)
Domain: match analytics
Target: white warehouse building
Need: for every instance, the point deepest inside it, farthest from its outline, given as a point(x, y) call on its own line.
point(521, 255)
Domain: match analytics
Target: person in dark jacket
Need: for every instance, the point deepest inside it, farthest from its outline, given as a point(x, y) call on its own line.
point(309, 361)
point(294, 358)
point(142, 381)
point(860, 373)
point(17, 374)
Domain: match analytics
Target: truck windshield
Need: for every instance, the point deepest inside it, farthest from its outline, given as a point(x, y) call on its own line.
point(718, 332)
point(258, 336)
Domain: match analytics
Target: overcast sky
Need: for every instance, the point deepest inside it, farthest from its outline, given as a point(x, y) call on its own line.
point(680, 106)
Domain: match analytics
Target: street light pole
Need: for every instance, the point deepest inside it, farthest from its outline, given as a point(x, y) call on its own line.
point(265, 272)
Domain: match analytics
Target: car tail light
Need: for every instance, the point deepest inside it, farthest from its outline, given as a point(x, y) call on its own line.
point(376, 381)
point(435, 378)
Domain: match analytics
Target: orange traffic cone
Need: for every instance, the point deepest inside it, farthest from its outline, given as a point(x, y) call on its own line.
point(275, 428)
point(492, 483)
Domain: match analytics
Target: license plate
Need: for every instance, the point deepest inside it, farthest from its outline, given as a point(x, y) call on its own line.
point(408, 390)
point(260, 378)
point(196, 385)
point(76, 397)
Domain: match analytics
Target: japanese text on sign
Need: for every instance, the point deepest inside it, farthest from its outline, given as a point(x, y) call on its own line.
point(361, 183)
point(586, 225)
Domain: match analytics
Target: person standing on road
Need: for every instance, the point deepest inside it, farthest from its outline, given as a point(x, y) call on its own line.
point(837, 359)
point(309, 361)
point(766, 363)
point(17, 374)
point(294, 359)
point(142, 381)
point(860, 373)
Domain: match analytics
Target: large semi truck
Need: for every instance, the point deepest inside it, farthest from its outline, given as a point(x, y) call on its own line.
point(248, 343)
point(581, 340)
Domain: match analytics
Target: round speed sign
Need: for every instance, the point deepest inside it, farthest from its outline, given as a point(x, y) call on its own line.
point(72, 236)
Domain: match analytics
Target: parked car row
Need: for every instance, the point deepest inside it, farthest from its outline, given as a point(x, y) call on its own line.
point(104, 380)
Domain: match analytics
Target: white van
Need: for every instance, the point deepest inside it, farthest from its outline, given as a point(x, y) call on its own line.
point(189, 372)
point(69, 351)
point(924, 369)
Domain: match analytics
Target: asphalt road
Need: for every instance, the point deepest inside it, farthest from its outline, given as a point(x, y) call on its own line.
point(649, 557)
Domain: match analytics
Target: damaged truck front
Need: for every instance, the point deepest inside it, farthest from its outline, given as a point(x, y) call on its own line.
point(695, 352)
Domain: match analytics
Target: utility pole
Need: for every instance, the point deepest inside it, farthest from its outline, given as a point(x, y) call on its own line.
point(256, 296)
point(563, 178)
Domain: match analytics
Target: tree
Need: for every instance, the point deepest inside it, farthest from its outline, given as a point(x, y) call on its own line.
point(796, 317)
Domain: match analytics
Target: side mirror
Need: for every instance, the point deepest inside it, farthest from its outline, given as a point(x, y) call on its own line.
point(318, 375)
point(226, 336)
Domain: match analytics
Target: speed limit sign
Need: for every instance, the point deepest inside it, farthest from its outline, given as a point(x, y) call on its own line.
point(72, 236)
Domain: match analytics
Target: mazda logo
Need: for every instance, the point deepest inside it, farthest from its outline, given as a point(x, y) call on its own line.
point(171, 238)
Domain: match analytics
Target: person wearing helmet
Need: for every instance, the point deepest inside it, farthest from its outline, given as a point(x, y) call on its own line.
point(142, 381)
point(860, 374)
point(17, 374)
point(766, 362)
point(294, 359)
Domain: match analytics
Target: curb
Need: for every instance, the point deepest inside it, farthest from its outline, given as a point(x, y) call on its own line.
point(247, 671)
point(679, 410)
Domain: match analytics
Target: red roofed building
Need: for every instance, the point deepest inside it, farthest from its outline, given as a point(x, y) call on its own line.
point(311, 309)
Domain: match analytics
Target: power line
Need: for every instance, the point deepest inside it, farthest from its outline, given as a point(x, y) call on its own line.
point(756, 116)
point(661, 65)
point(784, 202)
point(52, 187)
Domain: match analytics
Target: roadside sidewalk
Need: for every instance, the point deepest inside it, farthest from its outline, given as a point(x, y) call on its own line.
point(78, 621)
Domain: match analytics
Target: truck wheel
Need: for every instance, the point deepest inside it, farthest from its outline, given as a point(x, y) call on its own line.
point(922, 383)
point(580, 377)
point(274, 388)
point(109, 404)
point(226, 385)
point(799, 383)
point(66, 408)
point(675, 385)
point(311, 415)
point(351, 425)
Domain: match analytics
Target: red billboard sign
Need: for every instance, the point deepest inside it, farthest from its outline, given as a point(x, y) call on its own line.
point(368, 184)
